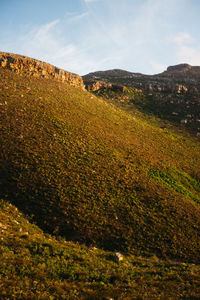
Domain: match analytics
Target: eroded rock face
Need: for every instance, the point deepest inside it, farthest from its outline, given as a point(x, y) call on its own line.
point(37, 68)
point(167, 87)
point(179, 68)
point(95, 85)
point(173, 95)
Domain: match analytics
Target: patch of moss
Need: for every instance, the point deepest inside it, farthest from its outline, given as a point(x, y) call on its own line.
point(174, 181)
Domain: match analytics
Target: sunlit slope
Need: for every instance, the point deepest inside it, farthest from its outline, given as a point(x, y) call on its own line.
point(93, 173)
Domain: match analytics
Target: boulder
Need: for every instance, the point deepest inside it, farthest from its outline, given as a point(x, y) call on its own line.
point(118, 257)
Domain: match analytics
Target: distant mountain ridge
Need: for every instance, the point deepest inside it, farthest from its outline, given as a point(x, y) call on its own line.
point(173, 94)
point(176, 79)
point(180, 72)
point(183, 68)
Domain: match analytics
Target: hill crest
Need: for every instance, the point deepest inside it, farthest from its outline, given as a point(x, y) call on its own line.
point(37, 68)
point(180, 68)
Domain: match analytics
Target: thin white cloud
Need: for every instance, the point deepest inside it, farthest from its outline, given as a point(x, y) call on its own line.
point(73, 17)
point(157, 67)
point(189, 55)
point(41, 41)
point(182, 37)
point(100, 46)
point(130, 34)
point(43, 34)
point(187, 48)
point(47, 27)
point(89, 1)
point(47, 43)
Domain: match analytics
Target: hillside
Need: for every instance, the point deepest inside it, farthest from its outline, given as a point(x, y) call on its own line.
point(35, 265)
point(87, 171)
point(173, 95)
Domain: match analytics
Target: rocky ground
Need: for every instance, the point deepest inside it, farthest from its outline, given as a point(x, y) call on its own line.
point(173, 95)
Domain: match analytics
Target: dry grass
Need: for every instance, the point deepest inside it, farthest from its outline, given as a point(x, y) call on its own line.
point(82, 168)
point(37, 266)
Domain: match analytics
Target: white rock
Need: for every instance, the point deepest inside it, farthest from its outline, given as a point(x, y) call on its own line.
point(118, 256)
point(183, 121)
point(3, 226)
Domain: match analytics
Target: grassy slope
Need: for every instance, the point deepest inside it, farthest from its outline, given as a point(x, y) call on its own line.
point(91, 172)
point(37, 266)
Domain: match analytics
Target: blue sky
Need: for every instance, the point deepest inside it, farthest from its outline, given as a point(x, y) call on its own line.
point(82, 36)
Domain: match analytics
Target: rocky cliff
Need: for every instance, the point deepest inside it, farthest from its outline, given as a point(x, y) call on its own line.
point(173, 95)
point(185, 72)
point(176, 79)
point(96, 85)
point(37, 68)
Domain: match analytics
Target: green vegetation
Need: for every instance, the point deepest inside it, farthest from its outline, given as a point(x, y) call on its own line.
point(175, 185)
point(84, 170)
point(164, 105)
point(129, 95)
point(37, 266)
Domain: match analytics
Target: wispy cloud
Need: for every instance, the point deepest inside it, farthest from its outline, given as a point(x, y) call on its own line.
point(46, 43)
point(74, 17)
point(47, 27)
point(131, 34)
point(158, 67)
point(100, 42)
point(89, 1)
point(182, 37)
point(187, 48)
point(189, 55)
point(41, 40)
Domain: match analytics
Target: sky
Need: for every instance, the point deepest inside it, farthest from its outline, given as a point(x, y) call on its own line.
point(83, 36)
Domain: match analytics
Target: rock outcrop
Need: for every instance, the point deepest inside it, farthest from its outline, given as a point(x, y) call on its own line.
point(179, 68)
point(176, 79)
point(169, 88)
point(37, 68)
point(96, 85)
point(173, 94)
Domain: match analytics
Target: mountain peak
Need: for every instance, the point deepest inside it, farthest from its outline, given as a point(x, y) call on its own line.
point(179, 68)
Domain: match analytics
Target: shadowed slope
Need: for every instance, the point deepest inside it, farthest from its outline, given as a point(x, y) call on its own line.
point(37, 266)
